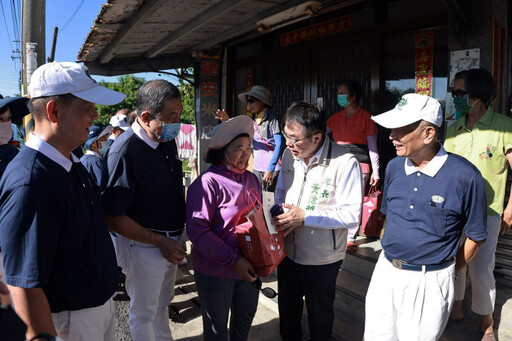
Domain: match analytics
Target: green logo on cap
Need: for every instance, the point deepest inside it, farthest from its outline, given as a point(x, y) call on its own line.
point(89, 75)
point(400, 104)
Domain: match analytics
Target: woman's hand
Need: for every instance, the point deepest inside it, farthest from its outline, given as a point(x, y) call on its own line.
point(267, 179)
point(245, 270)
point(222, 115)
point(374, 182)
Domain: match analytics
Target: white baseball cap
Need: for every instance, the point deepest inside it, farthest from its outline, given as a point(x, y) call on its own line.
point(119, 121)
point(59, 78)
point(411, 108)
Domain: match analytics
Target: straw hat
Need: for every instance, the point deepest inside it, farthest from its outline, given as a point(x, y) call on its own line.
point(225, 132)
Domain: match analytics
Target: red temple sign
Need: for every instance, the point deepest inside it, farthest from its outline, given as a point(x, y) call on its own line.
point(317, 30)
point(424, 63)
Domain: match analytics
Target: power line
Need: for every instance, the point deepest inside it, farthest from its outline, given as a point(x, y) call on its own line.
point(5, 22)
point(72, 16)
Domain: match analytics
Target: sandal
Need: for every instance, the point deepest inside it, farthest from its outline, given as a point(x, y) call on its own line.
point(351, 247)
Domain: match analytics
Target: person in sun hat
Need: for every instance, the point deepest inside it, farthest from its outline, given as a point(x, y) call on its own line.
point(268, 142)
point(430, 197)
point(66, 269)
point(144, 203)
point(215, 202)
point(11, 109)
point(96, 146)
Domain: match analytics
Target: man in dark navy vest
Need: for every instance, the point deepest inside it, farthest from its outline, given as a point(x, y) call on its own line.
point(145, 204)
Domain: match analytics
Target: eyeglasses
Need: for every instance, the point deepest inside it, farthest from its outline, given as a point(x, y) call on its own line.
point(251, 100)
point(294, 141)
point(459, 93)
point(268, 292)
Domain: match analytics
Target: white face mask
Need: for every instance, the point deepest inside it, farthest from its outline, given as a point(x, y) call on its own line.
point(5, 132)
point(104, 147)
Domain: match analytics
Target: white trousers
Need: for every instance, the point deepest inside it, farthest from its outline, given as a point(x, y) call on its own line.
point(96, 323)
point(481, 272)
point(150, 285)
point(407, 305)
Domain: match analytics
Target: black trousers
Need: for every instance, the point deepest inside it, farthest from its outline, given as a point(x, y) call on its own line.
point(318, 284)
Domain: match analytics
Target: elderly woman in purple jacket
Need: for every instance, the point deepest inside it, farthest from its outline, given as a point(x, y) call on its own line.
point(215, 202)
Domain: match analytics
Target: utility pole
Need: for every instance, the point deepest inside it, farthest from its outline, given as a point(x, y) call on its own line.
point(33, 28)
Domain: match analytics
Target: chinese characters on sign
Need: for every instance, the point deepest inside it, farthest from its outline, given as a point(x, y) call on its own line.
point(424, 63)
point(317, 30)
point(208, 102)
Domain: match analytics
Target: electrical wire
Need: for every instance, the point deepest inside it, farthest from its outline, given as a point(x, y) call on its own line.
point(72, 16)
point(5, 22)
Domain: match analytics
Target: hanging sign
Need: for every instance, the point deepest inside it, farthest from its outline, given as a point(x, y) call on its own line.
point(424, 63)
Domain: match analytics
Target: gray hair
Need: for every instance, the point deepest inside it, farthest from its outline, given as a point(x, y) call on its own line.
point(153, 94)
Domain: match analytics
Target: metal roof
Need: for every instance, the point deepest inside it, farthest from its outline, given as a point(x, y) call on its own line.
point(131, 36)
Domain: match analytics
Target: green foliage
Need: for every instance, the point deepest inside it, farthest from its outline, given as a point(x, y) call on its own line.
point(187, 95)
point(128, 85)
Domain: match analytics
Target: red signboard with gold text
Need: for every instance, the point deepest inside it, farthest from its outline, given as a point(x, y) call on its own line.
point(318, 30)
point(424, 63)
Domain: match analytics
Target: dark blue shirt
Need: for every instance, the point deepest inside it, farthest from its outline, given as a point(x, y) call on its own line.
point(53, 233)
point(145, 184)
point(7, 153)
point(426, 214)
point(94, 165)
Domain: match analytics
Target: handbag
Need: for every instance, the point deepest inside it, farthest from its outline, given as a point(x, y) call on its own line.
point(372, 219)
point(264, 250)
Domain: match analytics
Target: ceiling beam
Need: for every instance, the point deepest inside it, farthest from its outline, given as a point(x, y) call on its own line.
point(139, 64)
point(246, 26)
point(193, 24)
point(141, 14)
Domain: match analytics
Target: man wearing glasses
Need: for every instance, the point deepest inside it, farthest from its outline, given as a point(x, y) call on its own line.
point(484, 137)
point(144, 203)
point(321, 188)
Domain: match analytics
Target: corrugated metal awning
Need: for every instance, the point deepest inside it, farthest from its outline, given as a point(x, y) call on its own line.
point(149, 35)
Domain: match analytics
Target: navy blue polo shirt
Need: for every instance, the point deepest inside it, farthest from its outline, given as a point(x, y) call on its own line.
point(53, 233)
point(144, 183)
point(94, 165)
point(427, 210)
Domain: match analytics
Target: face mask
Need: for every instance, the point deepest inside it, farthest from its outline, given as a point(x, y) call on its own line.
point(233, 168)
point(5, 132)
point(169, 130)
point(104, 147)
point(342, 100)
point(462, 104)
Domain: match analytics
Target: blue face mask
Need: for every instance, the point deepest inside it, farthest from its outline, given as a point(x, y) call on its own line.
point(169, 131)
point(461, 105)
point(342, 100)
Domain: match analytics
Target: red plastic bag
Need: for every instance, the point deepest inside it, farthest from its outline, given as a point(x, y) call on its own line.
point(264, 250)
point(372, 219)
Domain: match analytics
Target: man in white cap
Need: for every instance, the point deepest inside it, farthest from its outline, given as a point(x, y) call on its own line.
point(430, 196)
point(59, 259)
point(119, 123)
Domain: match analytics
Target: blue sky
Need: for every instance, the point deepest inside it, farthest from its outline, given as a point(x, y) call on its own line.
point(73, 30)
